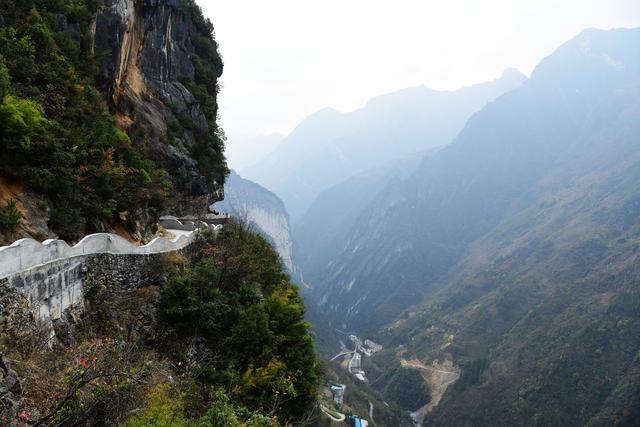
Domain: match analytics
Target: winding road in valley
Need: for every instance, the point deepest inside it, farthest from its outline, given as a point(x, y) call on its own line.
point(342, 353)
point(327, 412)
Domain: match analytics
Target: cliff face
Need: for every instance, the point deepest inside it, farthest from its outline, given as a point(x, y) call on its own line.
point(151, 49)
point(263, 210)
point(109, 116)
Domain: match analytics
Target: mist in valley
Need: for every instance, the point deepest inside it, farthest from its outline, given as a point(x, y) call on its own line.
point(469, 254)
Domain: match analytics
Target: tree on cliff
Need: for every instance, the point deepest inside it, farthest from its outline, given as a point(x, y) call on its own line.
point(95, 162)
point(57, 135)
point(237, 297)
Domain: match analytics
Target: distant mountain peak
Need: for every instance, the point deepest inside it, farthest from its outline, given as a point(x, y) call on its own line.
point(594, 59)
point(513, 74)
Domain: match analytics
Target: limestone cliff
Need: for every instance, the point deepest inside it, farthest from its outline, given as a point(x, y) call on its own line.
point(124, 93)
point(263, 210)
point(154, 50)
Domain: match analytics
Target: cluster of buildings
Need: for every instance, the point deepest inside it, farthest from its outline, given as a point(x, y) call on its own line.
point(370, 347)
point(355, 366)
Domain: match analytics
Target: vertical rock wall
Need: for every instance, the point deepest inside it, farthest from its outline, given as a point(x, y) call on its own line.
point(149, 46)
point(52, 295)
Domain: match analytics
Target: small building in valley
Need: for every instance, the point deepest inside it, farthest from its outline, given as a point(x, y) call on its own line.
point(357, 421)
point(338, 393)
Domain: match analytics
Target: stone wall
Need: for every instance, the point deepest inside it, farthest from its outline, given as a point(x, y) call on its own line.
point(26, 254)
point(52, 288)
point(52, 294)
point(50, 278)
point(124, 273)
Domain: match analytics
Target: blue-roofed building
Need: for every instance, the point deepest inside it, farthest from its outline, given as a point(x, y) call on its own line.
point(338, 393)
point(357, 421)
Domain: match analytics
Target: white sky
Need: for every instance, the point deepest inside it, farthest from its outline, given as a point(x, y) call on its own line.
point(285, 59)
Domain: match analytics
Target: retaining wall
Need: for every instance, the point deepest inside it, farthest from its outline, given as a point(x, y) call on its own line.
point(51, 275)
point(26, 254)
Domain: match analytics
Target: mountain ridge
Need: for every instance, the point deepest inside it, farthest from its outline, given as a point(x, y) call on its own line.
point(511, 253)
point(387, 128)
point(461, 165)
point(263, 210)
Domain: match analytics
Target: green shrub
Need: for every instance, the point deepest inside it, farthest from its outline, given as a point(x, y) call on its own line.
point(163, 409)
point(10, 216)
point(166, 409)
point(20, 120)
point(237, 296)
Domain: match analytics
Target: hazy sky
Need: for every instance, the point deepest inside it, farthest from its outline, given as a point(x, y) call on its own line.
point(285, 59)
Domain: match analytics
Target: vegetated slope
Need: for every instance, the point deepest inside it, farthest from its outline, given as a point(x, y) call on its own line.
point(418, 229)
point(545, 311)
point(215, 337)
point(108, 114)
point(263, 210)
point(329, 147)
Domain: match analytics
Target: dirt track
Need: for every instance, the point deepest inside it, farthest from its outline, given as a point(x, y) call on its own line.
point(438, 376)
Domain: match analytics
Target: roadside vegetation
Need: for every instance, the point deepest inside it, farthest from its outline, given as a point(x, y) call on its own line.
point(222, 342)
point(10, 216)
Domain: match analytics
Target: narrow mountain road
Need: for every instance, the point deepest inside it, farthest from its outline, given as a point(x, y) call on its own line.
point(327, 412)
point(342, 353)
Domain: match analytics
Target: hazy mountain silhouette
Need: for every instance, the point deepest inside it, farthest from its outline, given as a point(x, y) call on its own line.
point(513, 252)
point(260, 147)
point(329, 146)
point(325, 228)
point(416, 229)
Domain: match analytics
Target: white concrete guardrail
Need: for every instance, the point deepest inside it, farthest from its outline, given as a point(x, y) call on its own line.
point(25, 254)
point(51, 275)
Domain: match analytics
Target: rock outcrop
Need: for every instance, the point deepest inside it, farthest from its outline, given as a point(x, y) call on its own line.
point(155, 65)
point(9, 392)
point(151, 49)
point(262, 209)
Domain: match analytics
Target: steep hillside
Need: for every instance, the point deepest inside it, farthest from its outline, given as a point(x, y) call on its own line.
point(522, 235)
point(261, 209)
point(213, 335)
point(336, 212)
point(544, 311)
point(417, 229)
point(108, 115)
